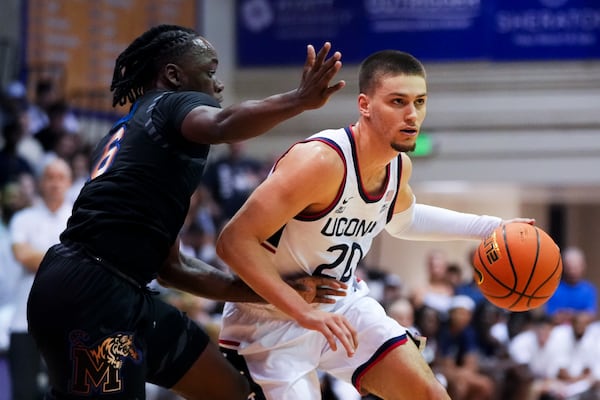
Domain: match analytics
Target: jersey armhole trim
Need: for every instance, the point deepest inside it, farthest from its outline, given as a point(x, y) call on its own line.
point(317, 215)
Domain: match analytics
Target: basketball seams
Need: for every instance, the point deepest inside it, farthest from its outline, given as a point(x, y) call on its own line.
point(532, 273)
point(557, 267)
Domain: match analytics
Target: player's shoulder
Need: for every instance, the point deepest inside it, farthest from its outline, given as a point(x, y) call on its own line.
point(188, 96)
point(173, 100)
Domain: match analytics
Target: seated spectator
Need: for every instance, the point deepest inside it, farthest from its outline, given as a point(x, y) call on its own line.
point(577, 356)
point(231, 178)
point(12, 164)
point(574, 293)
point(427, 323)
point(437, 292)
point(469, 286)
point(9, 274)
point(459, 356)
point(512, 379)
point(403, 311)
point(562, 358)
point(199, 230)
point(46, 94)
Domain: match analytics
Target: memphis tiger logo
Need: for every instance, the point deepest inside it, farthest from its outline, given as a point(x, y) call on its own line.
point(97, 368)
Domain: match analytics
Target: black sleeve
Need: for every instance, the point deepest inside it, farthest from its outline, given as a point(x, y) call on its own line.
point(173, 107)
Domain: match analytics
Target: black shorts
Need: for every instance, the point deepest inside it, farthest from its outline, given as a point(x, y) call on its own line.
point(100, 335)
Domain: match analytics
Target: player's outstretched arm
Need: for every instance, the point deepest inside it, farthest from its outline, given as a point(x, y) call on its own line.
point(199, 278)
point(254, 117)
point(415, 221)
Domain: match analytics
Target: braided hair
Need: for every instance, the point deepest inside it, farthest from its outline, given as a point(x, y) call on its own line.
point(139, 63)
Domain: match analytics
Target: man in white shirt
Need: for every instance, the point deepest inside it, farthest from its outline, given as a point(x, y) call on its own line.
point(33, 230)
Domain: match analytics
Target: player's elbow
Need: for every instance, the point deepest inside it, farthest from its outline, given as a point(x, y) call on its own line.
point(224, 243)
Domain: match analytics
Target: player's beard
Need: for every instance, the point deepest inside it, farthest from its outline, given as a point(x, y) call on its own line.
point(403, 148)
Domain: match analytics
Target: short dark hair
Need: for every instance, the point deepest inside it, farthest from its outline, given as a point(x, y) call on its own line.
point(387, 62)
point(139, 63)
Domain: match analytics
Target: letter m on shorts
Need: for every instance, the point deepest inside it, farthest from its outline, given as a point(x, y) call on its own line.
point(97, 369)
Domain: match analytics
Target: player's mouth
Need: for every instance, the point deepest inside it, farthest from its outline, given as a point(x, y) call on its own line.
point(410, 132)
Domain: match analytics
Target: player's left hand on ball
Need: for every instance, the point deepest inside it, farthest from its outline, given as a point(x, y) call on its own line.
point(318, 289)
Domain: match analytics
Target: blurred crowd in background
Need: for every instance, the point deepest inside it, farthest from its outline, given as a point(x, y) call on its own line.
point(478, 351)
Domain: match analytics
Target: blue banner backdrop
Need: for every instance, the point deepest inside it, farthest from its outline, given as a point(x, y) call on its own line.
point(275, 32)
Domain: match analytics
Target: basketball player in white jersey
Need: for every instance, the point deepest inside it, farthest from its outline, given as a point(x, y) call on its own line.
point(317, 213)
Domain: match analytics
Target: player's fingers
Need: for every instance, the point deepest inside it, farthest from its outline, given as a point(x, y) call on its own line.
point(346, 335)
point(323, 300)
point(330, 338)
point(310, 57)
point(354, 336)
point(334, 88)
point(322, 54)
point(326, 291)
point(332, 61)
point(330, 283)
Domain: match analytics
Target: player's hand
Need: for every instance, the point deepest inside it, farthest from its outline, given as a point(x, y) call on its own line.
point(334, 327)
point(529, 221)
point(318, 289)
point(315, 88)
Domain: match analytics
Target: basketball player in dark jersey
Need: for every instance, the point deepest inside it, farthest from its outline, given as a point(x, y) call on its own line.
point(102, 333)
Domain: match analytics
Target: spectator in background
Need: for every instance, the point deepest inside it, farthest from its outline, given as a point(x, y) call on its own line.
point(428, 322)
point(574, 293)
point(469, 287)
point(512, 380)
point(454, 275)
point(577, 355)
point(533, 349)
point(403, 311)
point(459, 357)
point(33, 230)
point(80, 165)
point(393, 289)
point(562, 358)
point(9, 273)
point(231, 178)
point(45, 95)
point(437, 292)
point(12, 164)
point(199, 230)
point(16, 106)
point(17, 195)
point(50, 135)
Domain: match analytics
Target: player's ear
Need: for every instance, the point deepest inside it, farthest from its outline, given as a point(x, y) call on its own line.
point(173, 74)
point(363, 104)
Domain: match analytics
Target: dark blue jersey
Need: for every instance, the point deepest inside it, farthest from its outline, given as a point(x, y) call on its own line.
point(143, 173)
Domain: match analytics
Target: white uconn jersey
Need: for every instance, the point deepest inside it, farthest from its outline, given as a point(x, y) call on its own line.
point(282, 357)
point(332, 242)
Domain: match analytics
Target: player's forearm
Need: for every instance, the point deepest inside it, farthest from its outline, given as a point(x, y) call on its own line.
point(259, 273)
point(252, 118)
point(201, 279)
point(424, 222)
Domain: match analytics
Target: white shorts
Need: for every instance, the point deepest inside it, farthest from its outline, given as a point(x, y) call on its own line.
point(283, 357)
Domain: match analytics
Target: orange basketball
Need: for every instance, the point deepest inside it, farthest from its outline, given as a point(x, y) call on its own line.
point(518, 267)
